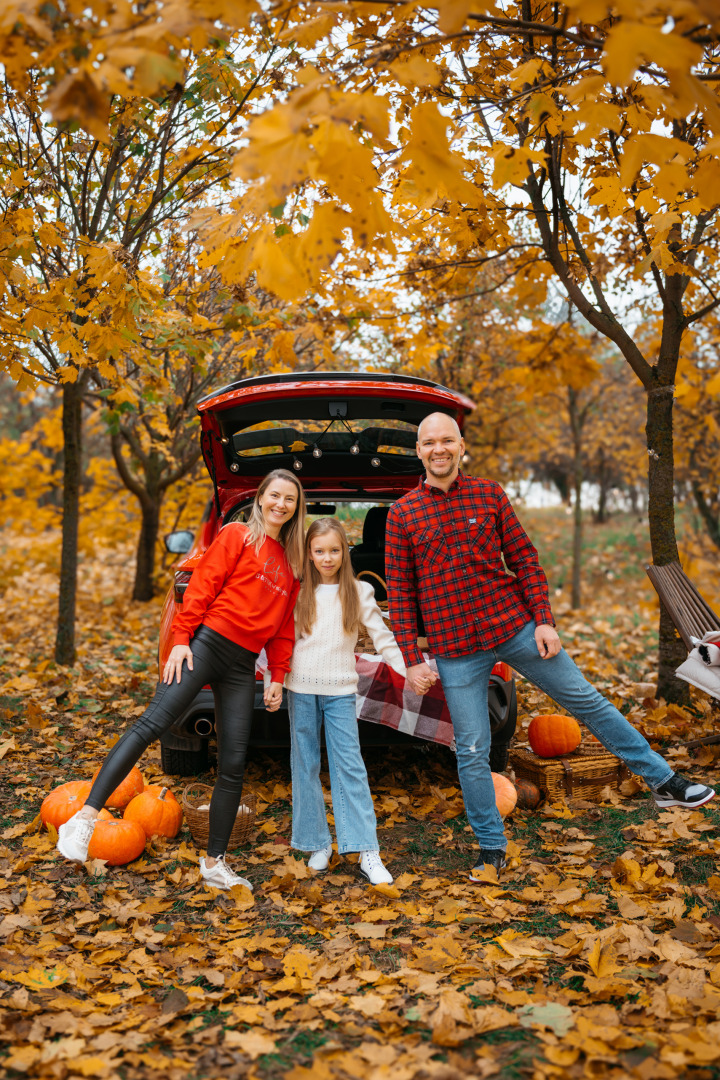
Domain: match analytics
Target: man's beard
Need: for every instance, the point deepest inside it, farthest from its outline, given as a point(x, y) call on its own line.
point(441, 471)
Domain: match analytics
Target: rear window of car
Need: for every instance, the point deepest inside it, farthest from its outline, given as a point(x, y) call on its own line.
point(276, 438)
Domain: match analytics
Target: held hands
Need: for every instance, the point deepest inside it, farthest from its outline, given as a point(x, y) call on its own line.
point(273, 696)
point(173, 666)
point(547, 641)
point(421, 677)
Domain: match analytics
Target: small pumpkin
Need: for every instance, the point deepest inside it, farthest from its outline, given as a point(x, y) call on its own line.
point(126, 790)
point(157, 810)
point(505, 794)
point(553, 735)
point(117, 841)
point(64, 801)
point(529, 795)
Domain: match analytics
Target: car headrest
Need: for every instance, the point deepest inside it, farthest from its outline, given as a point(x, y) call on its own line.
point(374, 527)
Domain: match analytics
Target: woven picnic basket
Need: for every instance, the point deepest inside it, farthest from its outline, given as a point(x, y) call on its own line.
point(364, 641)
point(196, 795)
point(584, 774)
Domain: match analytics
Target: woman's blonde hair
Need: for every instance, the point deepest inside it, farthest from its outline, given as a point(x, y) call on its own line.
point(305, 610)
point(291, 533)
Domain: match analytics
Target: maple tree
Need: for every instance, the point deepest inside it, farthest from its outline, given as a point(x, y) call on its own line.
point(574, 142)
point(698, 420)
point(85, 212)
point(598, 952)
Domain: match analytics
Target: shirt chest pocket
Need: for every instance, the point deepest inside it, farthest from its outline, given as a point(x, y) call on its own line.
point(430, 548)
point(484, 540)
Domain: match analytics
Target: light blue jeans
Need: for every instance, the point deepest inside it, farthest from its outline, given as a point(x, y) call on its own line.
point(355, 823)
point(465, 681)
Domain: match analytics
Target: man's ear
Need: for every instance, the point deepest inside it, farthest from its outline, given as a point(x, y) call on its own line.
point(417, 449)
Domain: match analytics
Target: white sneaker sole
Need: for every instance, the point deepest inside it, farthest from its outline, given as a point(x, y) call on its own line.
point(223, 885)
point(665, 804)
point(381, 881)
point(66, 854)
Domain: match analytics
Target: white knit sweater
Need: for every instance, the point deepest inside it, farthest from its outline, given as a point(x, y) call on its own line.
point(324, 661)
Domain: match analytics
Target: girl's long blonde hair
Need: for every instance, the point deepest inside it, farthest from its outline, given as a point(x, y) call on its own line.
point(305, 610)
point(291, 534)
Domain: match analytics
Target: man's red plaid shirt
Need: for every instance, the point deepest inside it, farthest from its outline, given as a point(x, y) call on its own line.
point(444, 554)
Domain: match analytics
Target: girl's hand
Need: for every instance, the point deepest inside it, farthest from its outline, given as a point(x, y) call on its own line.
point(173, 666)
point(273, 696)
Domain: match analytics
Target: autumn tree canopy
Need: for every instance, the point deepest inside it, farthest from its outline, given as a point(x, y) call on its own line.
point(573, 142)
point(487, 146)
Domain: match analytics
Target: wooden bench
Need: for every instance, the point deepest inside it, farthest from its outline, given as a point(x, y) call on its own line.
point(692, 615)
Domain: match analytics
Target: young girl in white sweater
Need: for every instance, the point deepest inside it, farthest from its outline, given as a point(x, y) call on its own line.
point(321, 688)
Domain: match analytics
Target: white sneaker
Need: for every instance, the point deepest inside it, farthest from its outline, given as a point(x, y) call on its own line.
point(74, 837)
point(371, 865)
point(220, 876)
point(320, 860)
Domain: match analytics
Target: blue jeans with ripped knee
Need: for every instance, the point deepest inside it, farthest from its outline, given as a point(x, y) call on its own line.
point(465, 683)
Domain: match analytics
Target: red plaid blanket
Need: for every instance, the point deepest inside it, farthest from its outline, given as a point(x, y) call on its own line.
point(384, 697)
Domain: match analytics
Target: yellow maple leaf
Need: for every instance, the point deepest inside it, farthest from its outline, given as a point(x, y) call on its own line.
point(416, 71)
point(37, 978)
point(603, 960)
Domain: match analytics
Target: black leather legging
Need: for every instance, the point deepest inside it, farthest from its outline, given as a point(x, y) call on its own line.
point(230, 671)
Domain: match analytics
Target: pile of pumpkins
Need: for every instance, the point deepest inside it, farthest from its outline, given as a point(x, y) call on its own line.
point(550, 735)
point(147, 812)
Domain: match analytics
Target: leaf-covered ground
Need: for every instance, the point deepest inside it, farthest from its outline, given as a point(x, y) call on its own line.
point(598, 954)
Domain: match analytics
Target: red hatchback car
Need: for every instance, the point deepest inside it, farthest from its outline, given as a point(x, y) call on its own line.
point(350, 439)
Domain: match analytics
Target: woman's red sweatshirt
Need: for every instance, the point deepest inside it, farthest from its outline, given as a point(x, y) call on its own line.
point(247, 596)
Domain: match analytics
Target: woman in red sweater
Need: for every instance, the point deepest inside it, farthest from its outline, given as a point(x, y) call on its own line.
point(241, 598)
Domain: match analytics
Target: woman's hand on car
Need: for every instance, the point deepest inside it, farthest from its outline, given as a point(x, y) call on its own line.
point(273, 696)
point(174, 663)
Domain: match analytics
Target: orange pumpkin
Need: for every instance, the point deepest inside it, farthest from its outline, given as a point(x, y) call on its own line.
point(117, 841)
point(529, 795)
point(60, 805)
point(157, 810)
point(505, 794)
point(553, 735)
point(64, 801)
point(126, 790)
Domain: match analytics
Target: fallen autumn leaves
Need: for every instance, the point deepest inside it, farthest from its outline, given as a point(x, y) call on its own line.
point(597, 955)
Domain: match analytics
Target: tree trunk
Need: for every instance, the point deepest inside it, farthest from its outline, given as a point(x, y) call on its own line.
point(577, 420)
point(72, 474)
point(144, 587)
point(576, 598)
point(603, 480)
point(711, 520)
point(661, 517)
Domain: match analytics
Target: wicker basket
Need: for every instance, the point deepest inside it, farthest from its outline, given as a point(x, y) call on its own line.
point(196, 795)
point(584, 774)
point(364, 642)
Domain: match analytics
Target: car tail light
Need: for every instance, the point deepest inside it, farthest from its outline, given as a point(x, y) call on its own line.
point(182, 579)
point(504, 671)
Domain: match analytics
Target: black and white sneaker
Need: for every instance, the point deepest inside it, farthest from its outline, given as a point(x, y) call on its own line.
point(677, 791)
point(487, 858)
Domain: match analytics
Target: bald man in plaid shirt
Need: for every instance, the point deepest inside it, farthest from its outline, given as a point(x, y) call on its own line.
point(447, 546)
